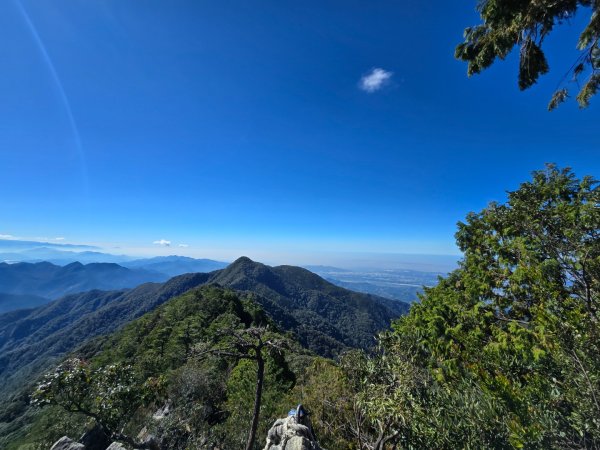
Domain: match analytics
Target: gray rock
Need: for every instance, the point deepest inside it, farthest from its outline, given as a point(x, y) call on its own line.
point(289, 434)
point(163, 412)
point(145, 436)
point(116, 446)
point(64, 443)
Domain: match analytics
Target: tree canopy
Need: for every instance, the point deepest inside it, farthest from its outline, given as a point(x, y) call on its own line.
point(212, 357)
point(503, 353)
point(526, 24)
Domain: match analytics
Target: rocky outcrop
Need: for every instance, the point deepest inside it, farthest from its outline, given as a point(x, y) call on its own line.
point(64, 443)
point(163, 412)
point(116, 446)
point(291, 434)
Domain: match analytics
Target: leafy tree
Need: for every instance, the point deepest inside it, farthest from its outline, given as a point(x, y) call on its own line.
point(326, 391)
point(503, 353)
point(195, 395)
point(526, 24)
point(199, 397)
point(250, 344)
point(109, 395)
point(241, 398)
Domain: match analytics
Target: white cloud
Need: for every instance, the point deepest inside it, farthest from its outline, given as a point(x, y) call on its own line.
point(59, 239)
point(6, 236)
point(375, 80)
point(163, 242)
point(183, 245)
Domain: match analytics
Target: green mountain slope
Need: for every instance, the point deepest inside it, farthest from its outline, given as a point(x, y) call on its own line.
point(208, 395)
point(31, 341)
point(325, 318)
point(12, 302)
point(54, 329)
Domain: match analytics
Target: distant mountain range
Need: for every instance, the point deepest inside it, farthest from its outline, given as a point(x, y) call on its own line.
point(39, 282)
point(13, 250)
point(26, 285)
point(44, 280)
point(175, 265)
point(395, 279)
point(60, 257)
point(325, 318)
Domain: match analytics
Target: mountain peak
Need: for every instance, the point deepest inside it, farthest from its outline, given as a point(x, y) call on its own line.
point(243, 260)
point(244, 266)
point(328, 313)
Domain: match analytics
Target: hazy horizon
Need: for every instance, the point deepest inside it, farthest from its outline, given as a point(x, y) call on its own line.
point(341, 259)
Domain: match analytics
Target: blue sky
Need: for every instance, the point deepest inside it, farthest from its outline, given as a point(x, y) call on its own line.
point(242, 127)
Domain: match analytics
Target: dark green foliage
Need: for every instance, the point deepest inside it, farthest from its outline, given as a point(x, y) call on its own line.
point(31, 341)
point(53, 424)
point(196, 392)
point(557, 98)
point(325, 390)
point(588, 90)
point(532, 64)
point(503, 353)
point(164, 339)
point(526, 23)
point(207, 393)
point(240, 399)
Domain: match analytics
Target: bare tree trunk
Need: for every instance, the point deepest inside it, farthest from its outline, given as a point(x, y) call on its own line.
point(260, 374)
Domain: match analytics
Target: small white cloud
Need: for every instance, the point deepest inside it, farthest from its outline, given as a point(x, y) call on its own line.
point(163, 242)
point(183, 245)
point(59, 239)
point(6, 236)
point(375, 80)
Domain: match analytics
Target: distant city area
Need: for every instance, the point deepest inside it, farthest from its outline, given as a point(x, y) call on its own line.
point(400, 284)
